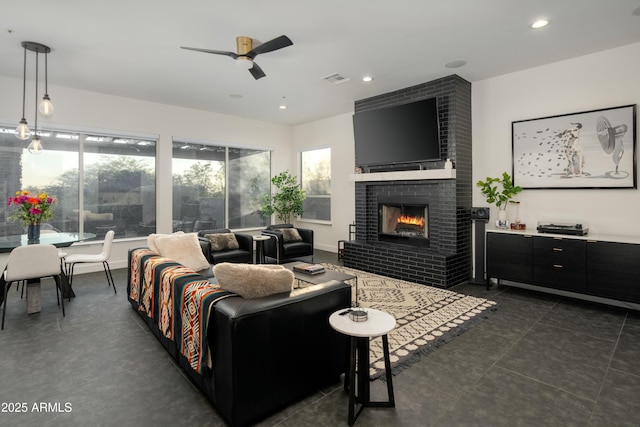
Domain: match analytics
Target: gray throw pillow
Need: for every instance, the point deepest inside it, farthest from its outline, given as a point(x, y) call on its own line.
point(290, 235)
point(253, 280)
point(222, 241)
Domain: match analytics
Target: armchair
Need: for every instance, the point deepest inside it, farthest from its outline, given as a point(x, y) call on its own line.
point(220, 252)
point(284, 243)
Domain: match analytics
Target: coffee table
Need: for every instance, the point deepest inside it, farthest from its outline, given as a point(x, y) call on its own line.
point(316, 279)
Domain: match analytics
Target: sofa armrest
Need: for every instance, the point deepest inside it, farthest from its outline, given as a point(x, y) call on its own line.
point(245, 241)
point(273, 246)
point(306, 234)
point(205, 245)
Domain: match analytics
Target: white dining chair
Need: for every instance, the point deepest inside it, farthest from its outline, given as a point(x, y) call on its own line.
point(32, 262)
point(61, 255)
point(102, 257)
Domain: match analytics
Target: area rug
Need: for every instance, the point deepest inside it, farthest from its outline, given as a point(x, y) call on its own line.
point(427, 317)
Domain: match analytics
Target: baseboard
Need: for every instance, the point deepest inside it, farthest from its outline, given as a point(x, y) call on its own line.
point(584, 297)
point(327, 248)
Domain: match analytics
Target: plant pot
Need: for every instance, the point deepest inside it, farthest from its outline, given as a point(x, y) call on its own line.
point(33, 233)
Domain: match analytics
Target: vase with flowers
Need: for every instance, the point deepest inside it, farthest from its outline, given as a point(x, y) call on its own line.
point(32, 210)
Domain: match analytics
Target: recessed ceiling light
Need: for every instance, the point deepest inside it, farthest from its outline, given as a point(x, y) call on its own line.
point(540, 23)
point(283, 107)
point(367, 79)
point(455, 64)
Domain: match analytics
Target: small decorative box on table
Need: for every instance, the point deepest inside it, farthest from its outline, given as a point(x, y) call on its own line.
point(377, 323)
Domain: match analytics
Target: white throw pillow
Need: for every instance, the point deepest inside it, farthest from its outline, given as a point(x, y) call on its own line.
point(183, 248)
point(151, 240)
point(253, 280)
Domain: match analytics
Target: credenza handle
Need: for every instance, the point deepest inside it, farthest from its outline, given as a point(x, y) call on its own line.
point(558, 249)
point(557, 265)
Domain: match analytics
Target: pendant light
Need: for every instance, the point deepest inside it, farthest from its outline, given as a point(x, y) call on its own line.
point(46, 107)
point(35, 146)
point(22, 131)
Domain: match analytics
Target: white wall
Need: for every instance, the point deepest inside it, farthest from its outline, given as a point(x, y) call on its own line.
point(605, 79)
point(601, 80)
point(76, 108)
point(337, 133)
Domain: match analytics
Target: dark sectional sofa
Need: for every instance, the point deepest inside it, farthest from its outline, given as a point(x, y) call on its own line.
point(266, 352)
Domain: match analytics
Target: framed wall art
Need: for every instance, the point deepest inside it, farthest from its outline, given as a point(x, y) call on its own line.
point(590, 149)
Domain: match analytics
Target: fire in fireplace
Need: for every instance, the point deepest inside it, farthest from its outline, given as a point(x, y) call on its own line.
point(410, 225)
point(406, 223)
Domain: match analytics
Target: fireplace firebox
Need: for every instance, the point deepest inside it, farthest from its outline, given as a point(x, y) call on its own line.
point(403, 221)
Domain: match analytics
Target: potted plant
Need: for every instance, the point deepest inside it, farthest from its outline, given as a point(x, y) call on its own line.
point(499, 191)
point(287, 201)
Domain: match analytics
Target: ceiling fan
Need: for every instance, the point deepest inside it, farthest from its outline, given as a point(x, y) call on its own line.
point(246, 52)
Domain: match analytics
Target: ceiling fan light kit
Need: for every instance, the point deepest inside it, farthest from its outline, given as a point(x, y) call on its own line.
point(244, 62)
point(246, 53)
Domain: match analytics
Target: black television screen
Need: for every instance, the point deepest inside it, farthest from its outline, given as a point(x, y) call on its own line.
point(400, 134)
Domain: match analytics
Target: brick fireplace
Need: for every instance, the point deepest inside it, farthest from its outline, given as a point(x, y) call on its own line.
point(440, 253)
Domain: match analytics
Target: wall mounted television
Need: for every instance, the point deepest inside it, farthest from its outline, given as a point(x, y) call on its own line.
point(405, 133)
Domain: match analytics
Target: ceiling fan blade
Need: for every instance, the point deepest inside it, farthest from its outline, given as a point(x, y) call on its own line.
point(270, 46)
point(256, 71)
point(216, 52)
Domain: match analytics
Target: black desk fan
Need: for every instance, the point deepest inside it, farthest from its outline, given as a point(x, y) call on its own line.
point(611, 140)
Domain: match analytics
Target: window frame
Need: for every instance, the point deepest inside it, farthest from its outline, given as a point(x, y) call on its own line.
point(317, 196)
point(227, 184)
point(82, 134)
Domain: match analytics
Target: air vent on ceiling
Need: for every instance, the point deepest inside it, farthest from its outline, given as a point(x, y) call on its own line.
point(336, 78)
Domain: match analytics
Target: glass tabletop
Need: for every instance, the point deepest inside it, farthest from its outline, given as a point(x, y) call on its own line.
point(61, 240)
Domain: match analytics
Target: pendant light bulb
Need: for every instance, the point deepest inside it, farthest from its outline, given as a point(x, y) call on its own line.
point(46, 107)
point(35, 146)
point(22, 131)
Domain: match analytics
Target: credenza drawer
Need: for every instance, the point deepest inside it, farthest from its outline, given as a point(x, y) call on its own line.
point(559, 263)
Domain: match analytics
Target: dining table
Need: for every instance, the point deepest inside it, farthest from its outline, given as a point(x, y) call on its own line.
point(59, 240)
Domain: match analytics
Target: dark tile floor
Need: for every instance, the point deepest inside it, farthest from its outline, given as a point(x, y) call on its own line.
point(539, 360)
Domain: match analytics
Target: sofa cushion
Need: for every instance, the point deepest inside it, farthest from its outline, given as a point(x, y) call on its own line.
point(253, 281)
point(222, 241)
point(290, 235)
point(151, 240)
point(183, 248)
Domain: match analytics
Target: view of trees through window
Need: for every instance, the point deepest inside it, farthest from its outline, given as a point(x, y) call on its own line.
point(218, 186)
point(100, 182)
point(316, 182)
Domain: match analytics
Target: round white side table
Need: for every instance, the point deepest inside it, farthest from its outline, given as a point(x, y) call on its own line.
point(378, 324)
point(260, 239)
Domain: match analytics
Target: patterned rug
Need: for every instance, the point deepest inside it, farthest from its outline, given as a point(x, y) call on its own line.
point(427, 317)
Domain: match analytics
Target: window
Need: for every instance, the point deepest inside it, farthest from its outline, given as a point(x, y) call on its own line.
point(218, 187)
point(101, 182)
point(316, 182)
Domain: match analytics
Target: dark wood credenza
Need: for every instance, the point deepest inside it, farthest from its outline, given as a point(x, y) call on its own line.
point(594, 267)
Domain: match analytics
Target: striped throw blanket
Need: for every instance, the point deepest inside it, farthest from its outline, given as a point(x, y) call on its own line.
point(177, 299)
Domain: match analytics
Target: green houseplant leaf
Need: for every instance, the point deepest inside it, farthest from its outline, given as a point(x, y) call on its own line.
point(287, 201)
point(499, 191)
